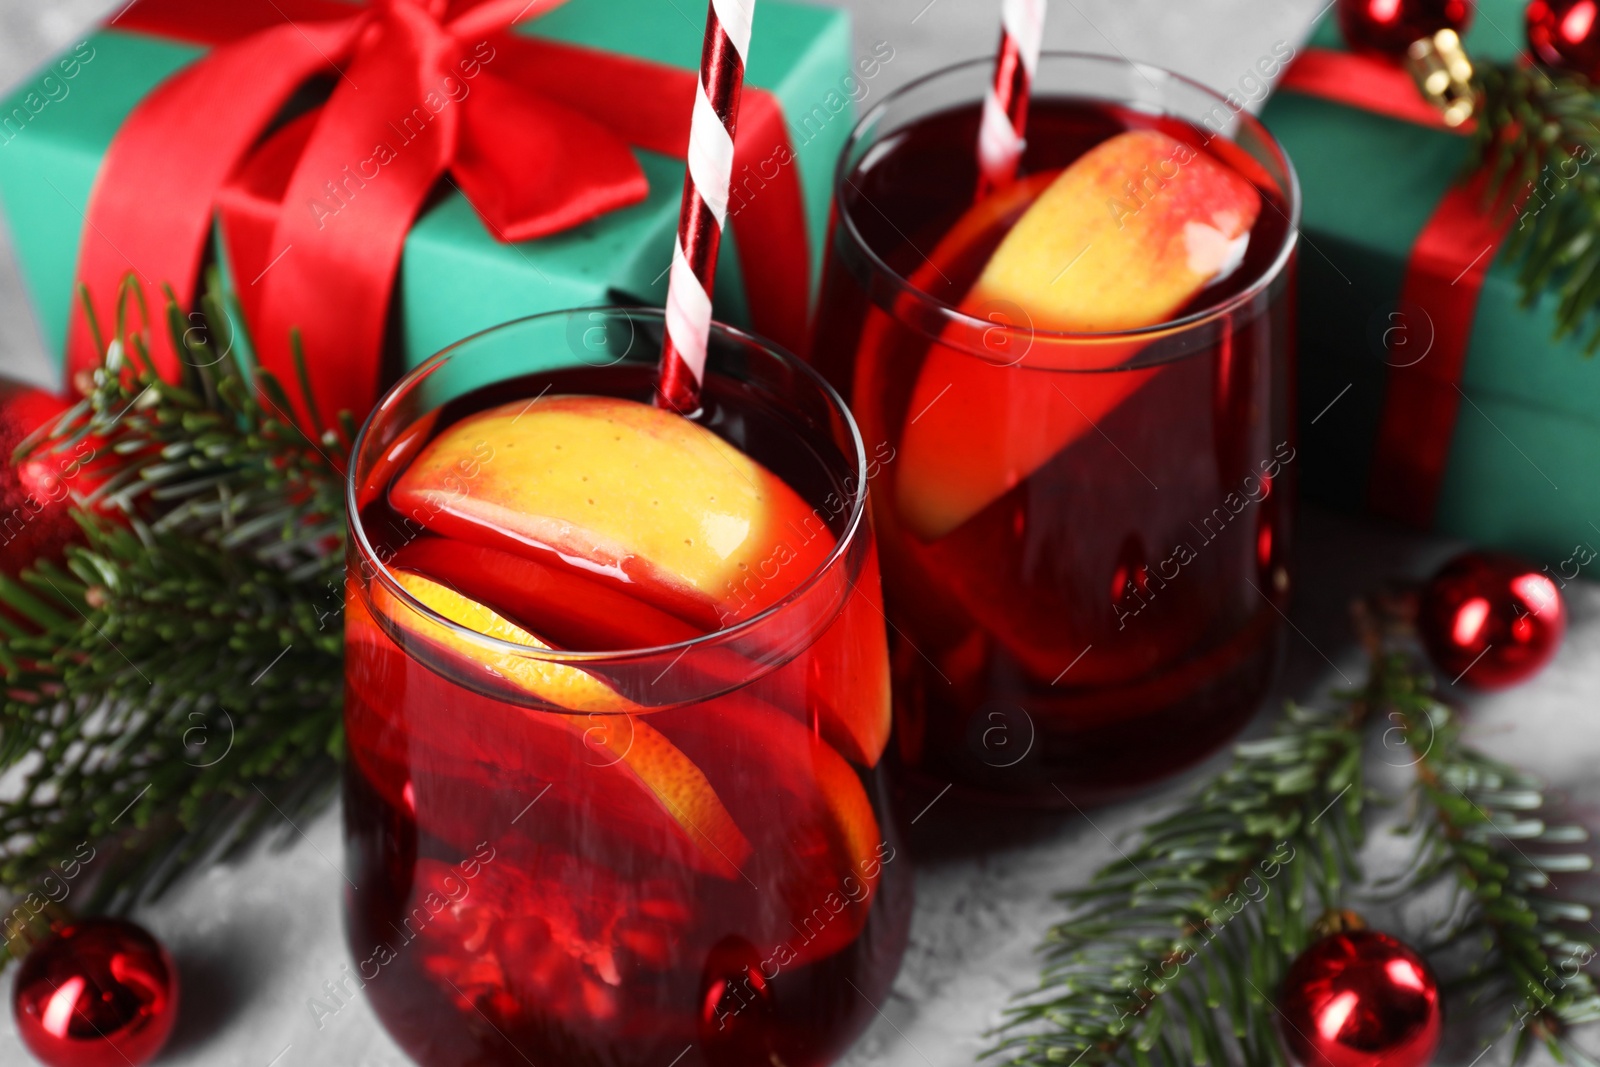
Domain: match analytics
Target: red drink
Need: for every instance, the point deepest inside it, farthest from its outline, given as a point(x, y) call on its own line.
point(678, 852)
point(1084, 534)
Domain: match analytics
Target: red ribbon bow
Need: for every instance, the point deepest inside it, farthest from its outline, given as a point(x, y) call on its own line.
point(535, 134)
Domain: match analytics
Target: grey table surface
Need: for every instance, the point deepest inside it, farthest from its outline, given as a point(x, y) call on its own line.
point(257, 940)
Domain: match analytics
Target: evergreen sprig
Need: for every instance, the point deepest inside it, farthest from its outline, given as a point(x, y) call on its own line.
point(1172, 954)
point(1538, 140)
point(1480, 831)
point(1175, 952)
point(173, 685)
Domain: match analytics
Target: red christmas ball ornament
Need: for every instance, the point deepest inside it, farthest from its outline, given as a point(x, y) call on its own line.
point(34, 494)
point(1388, 27)
point(96, 993)
point(1490, 619)
point(1566, 33)
point(1360, 998)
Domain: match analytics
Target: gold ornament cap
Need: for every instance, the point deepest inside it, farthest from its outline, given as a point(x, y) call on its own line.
point(1443, 73)
point(1336, 921)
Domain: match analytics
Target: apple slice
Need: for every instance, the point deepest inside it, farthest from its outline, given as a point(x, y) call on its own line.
point(665, 773)
point(1154, 220)
point(566, 607)
point(1121, 240)
point(394, 459)
point(558, 684)
point(849, 700)
point(840, 686)
point(465, 765)
point(643, 496)
point(819, 851)
point(849, 673)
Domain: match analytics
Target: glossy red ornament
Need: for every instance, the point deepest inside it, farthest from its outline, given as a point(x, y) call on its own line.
point(1389, 26)
point(1566, 33)
point(34, 495)
point(1490, 619)
point(96, 993)
point(1360, 999)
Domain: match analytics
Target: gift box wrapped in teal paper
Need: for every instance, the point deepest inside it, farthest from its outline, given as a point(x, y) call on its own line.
point(383, 179)
point(1429, 392)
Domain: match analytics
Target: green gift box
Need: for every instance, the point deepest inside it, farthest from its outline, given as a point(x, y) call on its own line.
point(455, 277)
point(1516, 468)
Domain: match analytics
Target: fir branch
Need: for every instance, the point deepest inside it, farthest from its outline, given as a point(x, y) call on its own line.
point(215, 455)
point(1481, 831)
point(1538, 136)
point(173, 689)
point(1174, 953)
point(1160, 961)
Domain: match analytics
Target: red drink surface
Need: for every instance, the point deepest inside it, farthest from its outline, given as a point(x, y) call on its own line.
point(1113, 616)
point(701, 882)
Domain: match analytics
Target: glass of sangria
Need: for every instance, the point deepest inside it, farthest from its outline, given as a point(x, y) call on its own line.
point(617, 693)
point(1077, 393)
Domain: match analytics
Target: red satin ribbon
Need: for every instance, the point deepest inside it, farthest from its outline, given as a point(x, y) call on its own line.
point(1444, 278)
point(536, 136)
point(1365, 82)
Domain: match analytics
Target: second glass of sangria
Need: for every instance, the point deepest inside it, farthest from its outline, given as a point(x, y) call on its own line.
point(1077, 391)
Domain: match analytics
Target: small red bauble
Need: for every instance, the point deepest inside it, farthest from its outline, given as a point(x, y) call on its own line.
point(1566, 33)
point(1490, 620)
point(96, 993)
point(34, 494)
point(1390, 26)
point(1360, 999)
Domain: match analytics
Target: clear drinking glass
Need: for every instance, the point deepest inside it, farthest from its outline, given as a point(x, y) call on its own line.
point(1085, 536)
point(696, 866)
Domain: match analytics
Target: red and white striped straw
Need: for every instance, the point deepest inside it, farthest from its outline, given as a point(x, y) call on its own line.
point(705, 203)
point(1005, 108)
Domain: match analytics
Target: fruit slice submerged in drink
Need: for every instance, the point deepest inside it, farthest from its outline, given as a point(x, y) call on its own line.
point(1085, 258)
point(818, 849)
point(640, 496)
point(753, 784)
point(804, 833)
point(573, 508)
point(841, 685)
point(855, 708)
point(612, 737)
point(568, 608)
point(400, 451)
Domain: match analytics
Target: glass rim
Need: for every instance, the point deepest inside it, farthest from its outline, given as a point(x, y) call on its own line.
point(953, 315)
point(836, 556)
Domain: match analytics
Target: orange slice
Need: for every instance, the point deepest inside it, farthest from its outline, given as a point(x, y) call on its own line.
point(668, 777)
point(569, 608)
point(819, 851)
point(842, 681)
